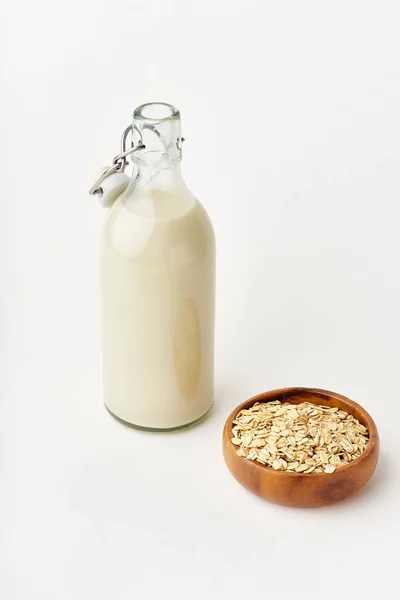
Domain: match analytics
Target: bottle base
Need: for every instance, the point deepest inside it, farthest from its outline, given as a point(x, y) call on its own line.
point(158, 429)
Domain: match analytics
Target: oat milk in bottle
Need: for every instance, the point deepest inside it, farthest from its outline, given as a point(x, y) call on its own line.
point(158, 286)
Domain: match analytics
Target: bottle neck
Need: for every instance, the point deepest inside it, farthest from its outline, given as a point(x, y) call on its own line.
point(157, 126)
point(157, 188)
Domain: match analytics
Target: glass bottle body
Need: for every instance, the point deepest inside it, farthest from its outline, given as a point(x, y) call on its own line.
point(158, 290)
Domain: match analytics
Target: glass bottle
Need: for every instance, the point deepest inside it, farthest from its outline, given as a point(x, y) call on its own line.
point(158, 286)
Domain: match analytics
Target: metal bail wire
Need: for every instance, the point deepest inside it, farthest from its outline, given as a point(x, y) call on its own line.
point(119, 162)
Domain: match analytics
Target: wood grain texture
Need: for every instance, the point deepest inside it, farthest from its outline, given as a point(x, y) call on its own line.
point(298, 489)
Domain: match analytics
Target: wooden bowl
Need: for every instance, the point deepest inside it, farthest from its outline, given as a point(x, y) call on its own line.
point(298, 489)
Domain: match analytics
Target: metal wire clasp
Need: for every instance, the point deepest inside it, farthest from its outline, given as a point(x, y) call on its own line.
point(119, 162)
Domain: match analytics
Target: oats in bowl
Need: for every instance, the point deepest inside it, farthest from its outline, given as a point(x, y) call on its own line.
point(302, 438)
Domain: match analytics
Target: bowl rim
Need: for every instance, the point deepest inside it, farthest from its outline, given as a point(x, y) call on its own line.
point(269, 396)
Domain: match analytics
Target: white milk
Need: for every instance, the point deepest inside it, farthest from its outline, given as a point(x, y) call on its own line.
point(158, 288)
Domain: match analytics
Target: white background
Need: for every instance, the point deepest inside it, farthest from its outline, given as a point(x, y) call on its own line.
point(291, 112)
